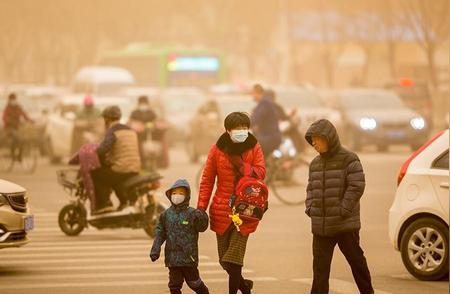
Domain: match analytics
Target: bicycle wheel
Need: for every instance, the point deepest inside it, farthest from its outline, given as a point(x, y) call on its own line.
point(30, 154)
point(6, 160)
point(288, 181)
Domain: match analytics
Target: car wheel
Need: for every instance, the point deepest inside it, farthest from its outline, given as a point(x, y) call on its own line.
point(424, 249)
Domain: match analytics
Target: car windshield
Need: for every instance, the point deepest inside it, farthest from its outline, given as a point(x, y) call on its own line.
point(368, 100)
point(298, 99)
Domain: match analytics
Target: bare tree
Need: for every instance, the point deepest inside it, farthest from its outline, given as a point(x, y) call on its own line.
point(429, 20)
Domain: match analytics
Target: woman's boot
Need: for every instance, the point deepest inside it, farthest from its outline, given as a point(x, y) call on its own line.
point(246, 287)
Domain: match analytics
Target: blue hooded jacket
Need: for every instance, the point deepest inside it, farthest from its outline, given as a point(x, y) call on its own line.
point(179, 227)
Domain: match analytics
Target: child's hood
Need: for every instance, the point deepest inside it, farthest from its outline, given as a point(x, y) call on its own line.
point(182, 183)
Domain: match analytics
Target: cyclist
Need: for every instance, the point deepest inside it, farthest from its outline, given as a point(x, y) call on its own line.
point(13, 118)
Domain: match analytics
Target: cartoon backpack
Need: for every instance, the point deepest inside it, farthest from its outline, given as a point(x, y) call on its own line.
point(250, 199)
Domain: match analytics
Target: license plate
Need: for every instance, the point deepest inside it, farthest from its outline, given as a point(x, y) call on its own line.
point(396, 134)
point(28, 223)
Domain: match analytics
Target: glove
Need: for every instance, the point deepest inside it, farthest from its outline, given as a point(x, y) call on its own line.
point(154, 257)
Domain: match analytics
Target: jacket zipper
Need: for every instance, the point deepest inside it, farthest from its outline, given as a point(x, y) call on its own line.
point(323, 197)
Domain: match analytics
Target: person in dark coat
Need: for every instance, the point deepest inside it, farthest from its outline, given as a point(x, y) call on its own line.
point(179, 227)
point(265, 121)
point(336, 184)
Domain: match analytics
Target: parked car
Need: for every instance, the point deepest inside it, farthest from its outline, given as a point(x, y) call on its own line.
point(379, 117)
point(61, 122)
point(15, 217)
point(418, 218)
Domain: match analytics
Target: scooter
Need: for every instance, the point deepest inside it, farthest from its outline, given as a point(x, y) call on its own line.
point(143, 212)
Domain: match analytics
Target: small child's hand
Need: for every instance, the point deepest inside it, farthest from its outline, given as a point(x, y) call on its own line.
point(154, 257)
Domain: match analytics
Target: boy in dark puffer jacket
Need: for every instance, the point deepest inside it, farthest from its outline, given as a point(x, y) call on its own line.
point(336, 184)
point(179, 227)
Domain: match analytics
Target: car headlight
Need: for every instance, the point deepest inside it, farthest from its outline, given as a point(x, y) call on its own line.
point(277, 154)
point(418, 123)
point(3, 200)
point(367, 123)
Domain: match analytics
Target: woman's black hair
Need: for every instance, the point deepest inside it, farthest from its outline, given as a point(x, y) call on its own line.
point(236, 119)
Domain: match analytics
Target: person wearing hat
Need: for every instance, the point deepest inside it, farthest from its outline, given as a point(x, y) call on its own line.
point(89, 111)
point(179, 227)
point(120, 160)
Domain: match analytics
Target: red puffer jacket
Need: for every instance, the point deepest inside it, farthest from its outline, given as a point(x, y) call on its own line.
point(219, 165)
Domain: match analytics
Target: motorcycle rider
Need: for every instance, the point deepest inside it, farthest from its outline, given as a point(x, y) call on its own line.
point(13, 118)
point(89, 111)
point(120, 160)
point(87, 124)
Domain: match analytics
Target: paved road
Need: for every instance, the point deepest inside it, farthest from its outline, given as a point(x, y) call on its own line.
point(278, 259)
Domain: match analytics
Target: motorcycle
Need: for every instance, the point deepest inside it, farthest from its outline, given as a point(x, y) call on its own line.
point(143, 212)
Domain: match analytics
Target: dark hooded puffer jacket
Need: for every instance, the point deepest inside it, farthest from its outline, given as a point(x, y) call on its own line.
point(336, 184)
point(179, 227)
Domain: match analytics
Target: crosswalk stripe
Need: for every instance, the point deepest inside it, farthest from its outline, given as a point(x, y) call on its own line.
point(82, 247)
point(111, 267)
point(117, 283)
point(39, 262)
point(92, 242)
point(25, 278)
point(340, 286)
point(80, 254)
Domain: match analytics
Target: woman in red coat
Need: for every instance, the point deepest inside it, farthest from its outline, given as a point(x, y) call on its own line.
point(235, 150)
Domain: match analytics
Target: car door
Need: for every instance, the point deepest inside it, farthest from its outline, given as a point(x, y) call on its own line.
point(440, 178)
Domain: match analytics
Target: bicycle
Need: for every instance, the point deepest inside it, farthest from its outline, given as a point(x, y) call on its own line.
point(20, 147)
point(286, 177)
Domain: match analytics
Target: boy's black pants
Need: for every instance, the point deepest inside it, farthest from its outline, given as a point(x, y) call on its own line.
point(177, 275)
point(348, 243)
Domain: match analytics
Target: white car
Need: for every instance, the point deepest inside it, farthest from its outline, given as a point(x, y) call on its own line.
point(418, 218)
point(15, 217)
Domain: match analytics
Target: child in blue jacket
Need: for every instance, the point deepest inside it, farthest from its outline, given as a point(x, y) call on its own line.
point(179, 227)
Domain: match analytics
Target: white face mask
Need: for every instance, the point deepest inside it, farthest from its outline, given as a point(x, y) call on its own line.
point(177, 198)
point(239, 136)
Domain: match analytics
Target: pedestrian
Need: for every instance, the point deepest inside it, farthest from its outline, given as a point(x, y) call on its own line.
point(235, 151)
point(336, 184)
point(265, 120)
point(179, 227)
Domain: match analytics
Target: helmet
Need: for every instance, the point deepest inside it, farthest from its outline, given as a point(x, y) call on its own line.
point(112, 113)
point(88, 100)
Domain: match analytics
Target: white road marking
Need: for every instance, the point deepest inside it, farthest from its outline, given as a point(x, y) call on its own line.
point(85, 242)
point(340, 286)
point(116, 283)
point(144, 247)
point(25, 278)
point(39, 262)
point(158, 265)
